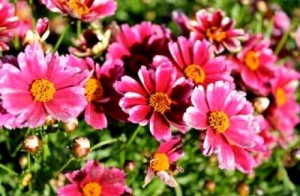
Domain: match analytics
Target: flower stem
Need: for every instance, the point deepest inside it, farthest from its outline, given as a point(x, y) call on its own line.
point(65, 165)
point(78, 32)
point(104, 143)
point(29, 170)
point(8, 169)
point(137, 130)
point(60, 39)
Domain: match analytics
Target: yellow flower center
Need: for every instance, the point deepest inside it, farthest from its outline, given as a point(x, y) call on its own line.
point(42, 90)
point(280, 96)
point(78, 6)
point(160, 102)
point(92, 189)
point(218, 121)
point(159, 162)
point(216, 34)
point(252, 60)
point(93, 89)
point(195, 72)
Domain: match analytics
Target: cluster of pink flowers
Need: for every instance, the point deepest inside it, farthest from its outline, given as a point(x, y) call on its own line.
point(213, 78)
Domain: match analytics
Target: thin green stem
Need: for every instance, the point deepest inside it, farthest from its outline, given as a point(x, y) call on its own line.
point(78, 28)
point(178, 190)
point(65, 165)
point(137, 130)
point(8, 169)
point(29, 170)
point(60, 39)
point(286, 180)
point(104, 143)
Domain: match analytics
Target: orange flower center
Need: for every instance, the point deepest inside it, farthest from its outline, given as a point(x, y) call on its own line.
point(218, 121)
point(215, 33)
point(78, 6)
point(159, 162)
point(280, 96)
point(252, 60)
point(195, 72)
point(93, 89)
point(92, 189)
point(160, 102)
point(42, 90)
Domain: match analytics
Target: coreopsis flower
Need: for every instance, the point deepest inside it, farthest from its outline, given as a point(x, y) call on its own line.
point(84, 10)
point(227, 117)
point(137, 45)
point(218, 30)
point(8, 120)
point(182, 21)
point(94, 179)
point(158, 98)
point(42, 85)
point(283, 112)
point(195, 61)
point(281, 23)
point(40, 33)
point(255, 64)
point(8, 24)
point(162, 162)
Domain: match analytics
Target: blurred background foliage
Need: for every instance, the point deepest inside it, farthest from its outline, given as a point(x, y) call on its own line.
point(124, 145)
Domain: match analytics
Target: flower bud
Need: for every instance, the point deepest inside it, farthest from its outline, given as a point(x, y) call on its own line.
point(260, 104)
point(262, 6)
point(23, 161)
point(81, 147)
point(50, 120)
point(70, 126)
point(210, 186)
point(32, 144)
point(243, 189)
point(26, 179)
point(129, 165)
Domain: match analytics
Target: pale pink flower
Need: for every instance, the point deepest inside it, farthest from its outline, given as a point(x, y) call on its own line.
point(218, 30)
point(195, 61)
point(84, 10)
point(281, 22)
point(8, 24)
point(297, 34)
point(157, 98)
point(94, 179)
point(227, 117)
point(162, 162)
point(24, 13)
point(40, 86)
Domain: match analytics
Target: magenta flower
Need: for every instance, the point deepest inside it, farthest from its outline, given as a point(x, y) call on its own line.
point(40, 86)
point(137, 45)
point(24, 13)
point(162, 162)
point(218, 30)
point(283, 113)
point(194, 60)
point(158, 99)
point(227, 117)
point(94, 179)
point(297, 34)
point(86, 10)
point(281, 23)
point(8, 23)
point(255, 64)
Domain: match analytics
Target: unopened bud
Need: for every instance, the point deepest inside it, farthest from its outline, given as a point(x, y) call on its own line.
point(260, 104)
point(81, 147)
point(23, 161)
point(32, 144)
point(26, 179)
point(243, 189)
point(296, 153)
point(70, 126)
point(210, 186)
point(129, 165)
point(50, 120)
point(262, 6)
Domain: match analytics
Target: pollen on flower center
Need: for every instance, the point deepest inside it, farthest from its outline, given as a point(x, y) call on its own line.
point(218, 121)
point(160, 102)
point(252, 60)
point(92, 189)
point(195, 72)
point(215, 33)
point(159, 162)
point(42, 90)
point(280, 96)
point(78, 7)
point(93, 89)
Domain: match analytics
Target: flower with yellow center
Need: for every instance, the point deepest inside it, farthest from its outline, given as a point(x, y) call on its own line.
point(160, 102)
point(159, 162)
point(252, 60)
point(78, 7)
point(93, 89)
point(92, 189)
point(195, 73)
point(42, 90)
point(280, 96)
point(216, 34)
point(218, 121)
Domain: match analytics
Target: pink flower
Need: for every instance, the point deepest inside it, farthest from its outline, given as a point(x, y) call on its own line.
point(9, 22)
point(255, 64)
point(162, 162)
point(182, 21)
point(98, 89)
point(218, 30)
point(283, 113)
point(86, 10)
point(298, 37)
point(137, 45)
point(227, 117)
point(24, 13)
point(281, 22)
point(40, 86)
point(158, 99)
point(194, 60)
point(94, 179)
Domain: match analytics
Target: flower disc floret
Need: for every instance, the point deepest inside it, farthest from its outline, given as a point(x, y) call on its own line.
point(195, 73)
point(93, 90)
point(280, 96)
point(160, 102)
point(78, 7)
point(252, 60)
point(159, 162)
point(216, 34)
point(92, 189)
point(218, 121)
point(42, 90)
